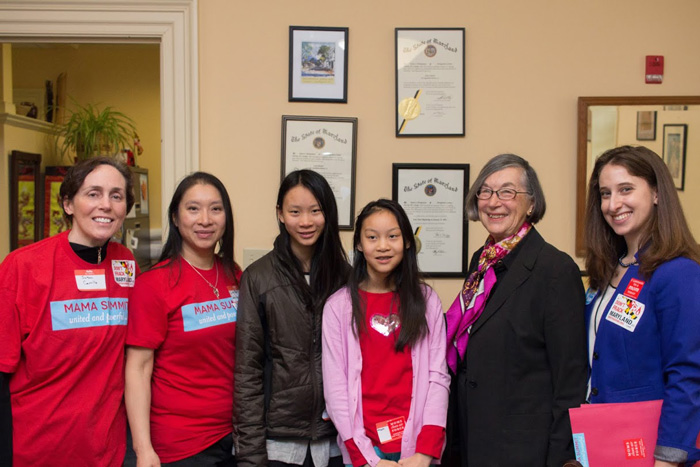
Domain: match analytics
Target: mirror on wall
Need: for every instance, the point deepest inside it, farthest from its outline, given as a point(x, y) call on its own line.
point(25, 195)
point(669, 126)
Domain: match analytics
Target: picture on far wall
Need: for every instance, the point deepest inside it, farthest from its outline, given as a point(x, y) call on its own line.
point(675, 137)
point(429, 82)
point(327, 145)
point(318, 64)
point(646, 125)
point(54, 221)
point(433, 196)
point(25, 206)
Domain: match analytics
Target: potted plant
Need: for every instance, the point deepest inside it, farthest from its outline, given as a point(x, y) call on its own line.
point(91, 131)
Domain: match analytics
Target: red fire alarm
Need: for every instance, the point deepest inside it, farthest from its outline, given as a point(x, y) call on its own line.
point(655, 69)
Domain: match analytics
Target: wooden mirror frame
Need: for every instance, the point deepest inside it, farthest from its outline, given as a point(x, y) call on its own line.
point(582, 146)
point(18, 158)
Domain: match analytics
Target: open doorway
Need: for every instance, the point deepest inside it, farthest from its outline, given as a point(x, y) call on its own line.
point(171, 24)
point(123, 77)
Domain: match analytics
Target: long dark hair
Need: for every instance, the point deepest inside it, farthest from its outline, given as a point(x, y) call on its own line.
point(172, 250)
point(406, 278)
point(329, 263)
point(666, 234)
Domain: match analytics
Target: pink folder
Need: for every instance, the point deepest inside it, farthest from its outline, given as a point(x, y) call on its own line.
point(612, 435)
point(616, 434)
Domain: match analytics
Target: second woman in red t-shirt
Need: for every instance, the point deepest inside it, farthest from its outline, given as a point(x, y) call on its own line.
point(181, 335)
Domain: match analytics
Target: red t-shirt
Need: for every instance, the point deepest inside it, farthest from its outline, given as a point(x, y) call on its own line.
point(387, 375)
point(62, 328)
point(175, 312)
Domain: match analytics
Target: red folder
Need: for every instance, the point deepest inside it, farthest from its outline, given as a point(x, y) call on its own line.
point(616, 434)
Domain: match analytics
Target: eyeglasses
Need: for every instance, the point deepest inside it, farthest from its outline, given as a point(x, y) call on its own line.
point(504, 194)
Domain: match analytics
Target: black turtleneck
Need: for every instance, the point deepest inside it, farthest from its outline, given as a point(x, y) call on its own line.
point(90, 254)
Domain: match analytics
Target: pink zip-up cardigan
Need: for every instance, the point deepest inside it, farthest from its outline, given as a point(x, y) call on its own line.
point(342, 367)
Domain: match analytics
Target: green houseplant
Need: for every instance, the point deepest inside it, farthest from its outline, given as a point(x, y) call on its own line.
point(90, 131)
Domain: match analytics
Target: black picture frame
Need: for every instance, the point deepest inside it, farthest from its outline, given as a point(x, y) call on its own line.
point(327, 145)
point(430, 86)
point(318, 64)
point(25, 198)
point(434, 198)
point(675, 143)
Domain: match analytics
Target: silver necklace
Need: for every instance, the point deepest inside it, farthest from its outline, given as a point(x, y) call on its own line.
point(213, 287)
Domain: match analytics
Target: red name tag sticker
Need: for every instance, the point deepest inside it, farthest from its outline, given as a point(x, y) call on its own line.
point(633, 288)
point(391, 430)
point(634, 448)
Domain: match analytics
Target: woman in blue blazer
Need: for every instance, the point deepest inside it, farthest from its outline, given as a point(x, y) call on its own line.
point(643, 305)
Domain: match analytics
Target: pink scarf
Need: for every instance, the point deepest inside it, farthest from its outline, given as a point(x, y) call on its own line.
point(470, 302)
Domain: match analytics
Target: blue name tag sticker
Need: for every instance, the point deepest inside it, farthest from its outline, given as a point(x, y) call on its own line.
point(580, 449)
point(89, 313)
point(196, 316)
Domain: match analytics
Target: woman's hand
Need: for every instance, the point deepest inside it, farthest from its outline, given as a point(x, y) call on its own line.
point(416, 460)
point(147, 459)
point(386, 463)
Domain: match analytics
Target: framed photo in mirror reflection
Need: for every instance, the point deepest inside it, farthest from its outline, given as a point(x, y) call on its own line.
point(646, 125)
point(675, 137)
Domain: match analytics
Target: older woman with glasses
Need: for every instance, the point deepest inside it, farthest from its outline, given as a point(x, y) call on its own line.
point(515, 333)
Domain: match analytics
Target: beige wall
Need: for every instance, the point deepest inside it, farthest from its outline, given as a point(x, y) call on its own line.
point(526, 64)
point(124, 76)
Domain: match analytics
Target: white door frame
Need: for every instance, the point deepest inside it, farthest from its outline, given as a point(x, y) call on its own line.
point(171, 23)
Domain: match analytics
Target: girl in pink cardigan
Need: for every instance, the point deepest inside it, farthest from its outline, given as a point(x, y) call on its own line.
point(384, 373)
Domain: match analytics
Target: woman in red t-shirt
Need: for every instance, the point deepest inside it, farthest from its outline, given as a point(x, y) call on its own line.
point(384, 372)
point(63, 319)
point(181, 335)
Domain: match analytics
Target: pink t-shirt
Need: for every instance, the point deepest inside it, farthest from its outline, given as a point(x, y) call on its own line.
point(62, 328)
point(175, 312)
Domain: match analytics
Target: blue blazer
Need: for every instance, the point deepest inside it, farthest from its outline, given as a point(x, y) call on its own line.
point(648, 347)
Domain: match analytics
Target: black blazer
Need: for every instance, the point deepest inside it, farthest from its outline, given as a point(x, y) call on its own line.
point(525, 364)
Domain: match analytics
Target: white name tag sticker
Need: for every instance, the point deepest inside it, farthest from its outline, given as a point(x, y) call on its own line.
point(90, 279)
point(391, 430)
point(625, 312)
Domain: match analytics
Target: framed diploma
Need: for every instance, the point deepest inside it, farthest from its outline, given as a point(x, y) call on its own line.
point(429, 82)
point(318, 64)
point(433, 196)
point(327, 145)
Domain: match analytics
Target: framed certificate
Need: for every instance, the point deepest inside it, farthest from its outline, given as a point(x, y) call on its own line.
point(429, 82)
point(327, 145)
point(318, 64)
point(433, 196)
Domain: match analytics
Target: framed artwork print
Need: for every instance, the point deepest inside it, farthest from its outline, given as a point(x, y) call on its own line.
point(318, 64)
point(433, 196)
point(327, 145)
point(646, 125)
point(25, 192)
point(675, 137)
point(54, 220)
point(429, 81)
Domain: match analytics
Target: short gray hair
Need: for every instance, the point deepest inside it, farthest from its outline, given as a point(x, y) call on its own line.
point(530, 180)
